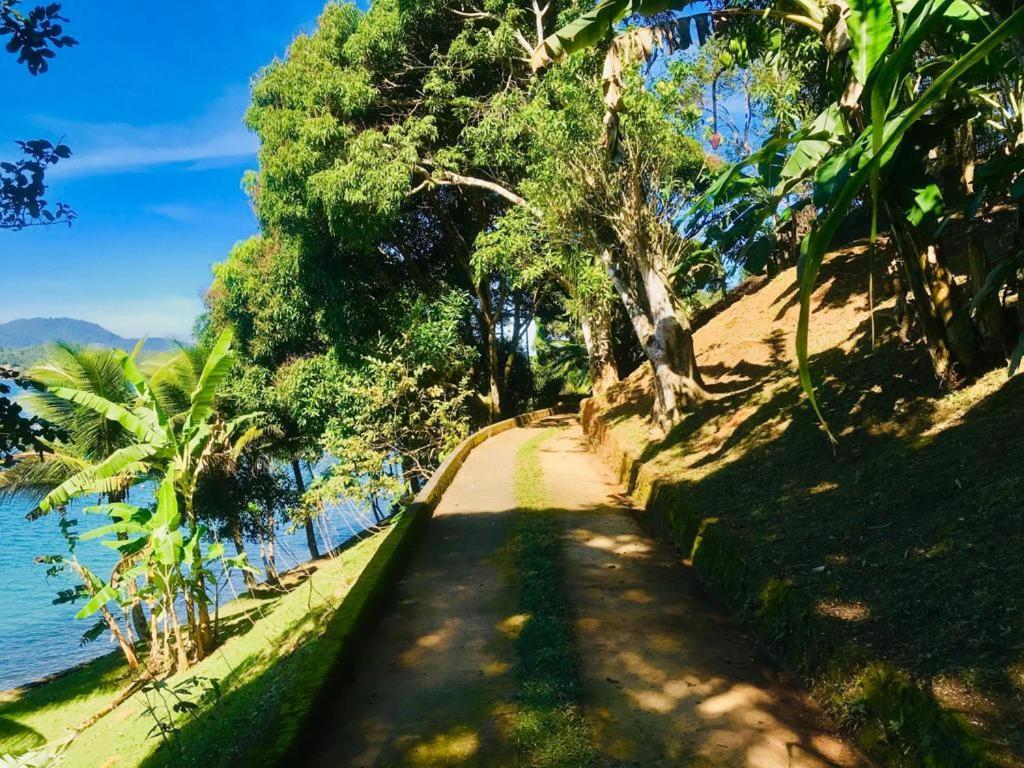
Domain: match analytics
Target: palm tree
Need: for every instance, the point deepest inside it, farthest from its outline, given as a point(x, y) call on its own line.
point(89, 436)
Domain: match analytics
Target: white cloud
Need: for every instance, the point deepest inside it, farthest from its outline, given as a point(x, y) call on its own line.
point(213, 137)
point(174, 211)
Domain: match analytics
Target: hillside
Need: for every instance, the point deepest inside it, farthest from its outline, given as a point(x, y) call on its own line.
point(899, 551)
point(22, 341)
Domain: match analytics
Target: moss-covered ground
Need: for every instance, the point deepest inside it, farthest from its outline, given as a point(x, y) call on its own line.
point(549, 727)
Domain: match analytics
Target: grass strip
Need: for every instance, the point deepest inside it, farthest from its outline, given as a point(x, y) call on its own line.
point(282, 648)
point(550, 728)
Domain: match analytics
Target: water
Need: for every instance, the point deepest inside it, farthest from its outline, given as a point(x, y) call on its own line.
point(38, 638)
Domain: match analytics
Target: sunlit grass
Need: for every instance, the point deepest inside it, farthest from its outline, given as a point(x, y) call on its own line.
point(550, 729)
point(280, 648)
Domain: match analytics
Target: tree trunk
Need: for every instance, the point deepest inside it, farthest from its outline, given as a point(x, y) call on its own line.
point(127, 647)
point(236, 537)
point(597, 336)
point(300, 485)
point(517, 329)
point(670, 350)
point(990, 322)
point(268, 551)
point(493, 366)
point(131, 587)
point(960, 331)
point(914, 264)
point(202, 627)
point(667, 342)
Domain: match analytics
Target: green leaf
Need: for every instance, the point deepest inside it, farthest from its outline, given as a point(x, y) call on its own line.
point(167, 546)
point(112, 411)
point(816, 245)
point(595, 25)
point(118, 510)
point(871, 26)
point(85, 481)
point(130, 547)
point(167, 514)
point(97, 601)
point(217, 366)
point(114, 528)
point(927, 202)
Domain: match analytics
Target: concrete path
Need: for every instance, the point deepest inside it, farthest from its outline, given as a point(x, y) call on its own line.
point(435, 684)
point(667, 681)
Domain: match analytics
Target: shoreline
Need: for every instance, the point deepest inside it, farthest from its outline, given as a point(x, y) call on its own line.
point(12, 694)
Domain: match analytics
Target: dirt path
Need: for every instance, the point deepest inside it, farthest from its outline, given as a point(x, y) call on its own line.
point(667, 681)
point(433, 688)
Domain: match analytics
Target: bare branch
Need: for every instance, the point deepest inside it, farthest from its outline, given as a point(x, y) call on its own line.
point(538, 15)
point(450, 178)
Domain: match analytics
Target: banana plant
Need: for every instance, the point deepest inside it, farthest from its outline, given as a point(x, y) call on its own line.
point(153, 540)
point(177, 448)
point(845, 151)
point(892, 115)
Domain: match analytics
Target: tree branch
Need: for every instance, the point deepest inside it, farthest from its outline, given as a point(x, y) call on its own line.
point(452, 179)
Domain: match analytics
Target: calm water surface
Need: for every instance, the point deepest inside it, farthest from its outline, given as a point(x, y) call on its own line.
point(38, 638)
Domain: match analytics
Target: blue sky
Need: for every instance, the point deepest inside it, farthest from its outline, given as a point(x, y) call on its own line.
point(151, 103)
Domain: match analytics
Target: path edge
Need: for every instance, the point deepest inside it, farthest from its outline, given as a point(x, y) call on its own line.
point(359, 610)
point(843, 677)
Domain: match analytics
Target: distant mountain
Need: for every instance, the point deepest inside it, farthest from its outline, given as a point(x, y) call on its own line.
point(37, 331)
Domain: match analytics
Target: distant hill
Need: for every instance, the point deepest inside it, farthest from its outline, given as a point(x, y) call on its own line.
point(22, 341)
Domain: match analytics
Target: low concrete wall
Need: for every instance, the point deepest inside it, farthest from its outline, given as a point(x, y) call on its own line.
point(357, 614)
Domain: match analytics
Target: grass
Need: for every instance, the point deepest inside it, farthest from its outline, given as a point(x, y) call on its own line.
point(281, 647)
point(901, 551)
point(549, 726)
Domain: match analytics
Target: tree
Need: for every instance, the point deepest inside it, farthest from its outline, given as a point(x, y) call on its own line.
point(33, 38)
point(18, 432)
point(389, 420)
point(179, 448)
point(383, 183)
point(248, 498)
point(86, 437)
point(878, 134)
point(621, 209)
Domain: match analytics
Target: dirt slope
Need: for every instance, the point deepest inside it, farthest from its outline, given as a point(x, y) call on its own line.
point(907, 537)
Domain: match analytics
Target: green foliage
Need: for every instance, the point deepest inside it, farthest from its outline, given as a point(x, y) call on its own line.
point(561, 363)
point(33, 36)
point(396, 414)
point(121, 432)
